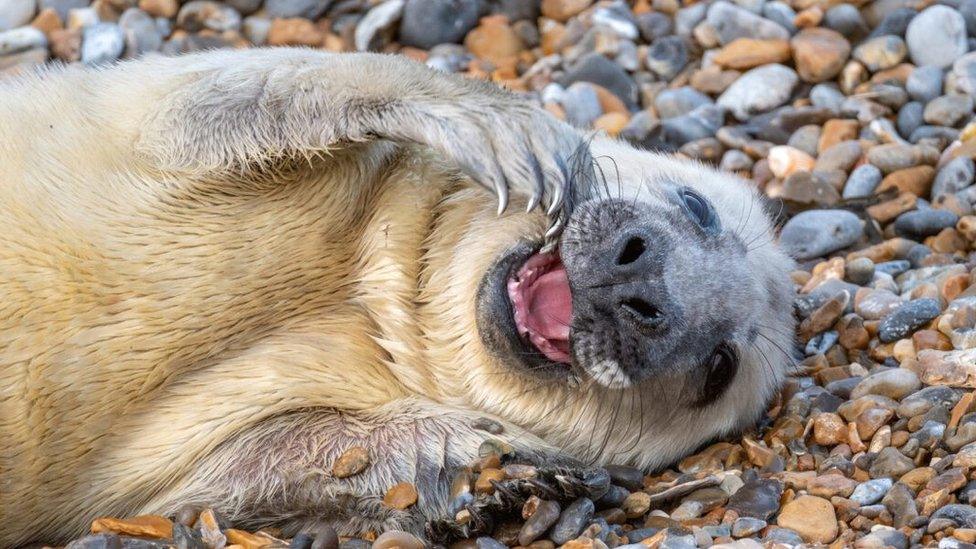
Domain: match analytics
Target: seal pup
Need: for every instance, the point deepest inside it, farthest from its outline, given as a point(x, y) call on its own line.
point(222, 271)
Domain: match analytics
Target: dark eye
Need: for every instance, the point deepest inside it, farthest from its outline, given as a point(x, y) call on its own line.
point(699, 208)
point(720, 370)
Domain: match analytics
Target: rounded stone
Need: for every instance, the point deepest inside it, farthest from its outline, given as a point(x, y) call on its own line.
point(667, 56)
point(925, 83)
point(427, 23)
point(731, 22)
point(883, 52)
point(948, 110)
point(926, 222)
point(759, 90)
point(955, 176)
point(907, 318)
point(936, 36)
point(819, 53)
point(894, 383)
point(815, 233)
point(810, 516)
point(15, 13)
point(102, 43)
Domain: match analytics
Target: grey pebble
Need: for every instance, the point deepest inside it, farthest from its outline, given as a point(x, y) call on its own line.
point(894, 267)
point(964, 73)
point(895, 22)
point(14, 13)
point(185, 537)
point(948, 110)
point(780, 13)
point(962, 515)
point(582, 105)
point(427, 23)
point(572, 521)
point(955, 176)
point(545, 516)
point(871, 491)
point(918, 224)
point(62, 7)
point(910, 118)
point(674, 102)
point(841, 156)
point(653, 25)
point(907, 318)
point(900, 502)
point(731, 22)
point(758, 498)
point(815, 233)
point(890, 463)
point(309, 9)
point(667, 56)
point(21, 39)
point(759, 90)
point(936, 37)
point(925, 83)
point(688, 17)
point(821, 343)
point(806, 139)
point(860, 271)
point(372, 27)
point(597, 69)
point(827, 96)
point(141, 32)
point(783, 535)
point(847, 20)
point(102, 43)
point(97, 541)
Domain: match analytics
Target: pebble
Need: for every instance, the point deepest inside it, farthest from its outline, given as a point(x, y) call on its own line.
point(427, 23)
point(816, 233)
point(871, 491)
point(759, 90)
point(15, 13)
point(599, 70)
point(371, 28)
point(21, 39)
point(675, 102)
point(757, 498)
point(883, 52)
point(927, 222)
point(890, 463)
point(401, 496)
point(936, 37)
point(545, 515)
point(141, 32)
point(954, 176)
point(925, 83)
point(309, 9)
point(811, 517)
point(572, 521)
point(907, 318)
point(732, 22)
point(819, 53)
point(948, 110)
point(862, 181)
point(102, 43)
point(667, 56)
point(393, 539)
point(894, 383)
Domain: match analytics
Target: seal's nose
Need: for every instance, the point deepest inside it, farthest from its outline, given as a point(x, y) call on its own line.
point(640, 298)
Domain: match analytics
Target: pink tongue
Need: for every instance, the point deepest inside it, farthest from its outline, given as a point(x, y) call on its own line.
point(550, 307)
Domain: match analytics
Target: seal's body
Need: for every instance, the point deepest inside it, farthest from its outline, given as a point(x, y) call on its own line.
point(224, 270)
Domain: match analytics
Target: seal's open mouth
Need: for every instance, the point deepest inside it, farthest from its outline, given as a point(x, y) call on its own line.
point(542, 304)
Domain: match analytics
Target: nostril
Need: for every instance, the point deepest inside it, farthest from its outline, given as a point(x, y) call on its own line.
point(641, 309)
point(632, 251)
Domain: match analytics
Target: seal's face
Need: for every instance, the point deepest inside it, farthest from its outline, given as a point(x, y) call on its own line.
point(678, 279)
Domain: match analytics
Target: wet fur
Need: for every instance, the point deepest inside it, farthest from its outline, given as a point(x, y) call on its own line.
point(214, 283)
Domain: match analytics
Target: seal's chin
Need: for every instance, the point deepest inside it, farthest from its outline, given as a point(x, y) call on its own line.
point(542, 304)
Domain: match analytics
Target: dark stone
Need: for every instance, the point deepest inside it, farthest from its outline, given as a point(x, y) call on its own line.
point(572, 521)
point(758, 498)
point(185, 537)
point(597, 69)
point(427, 23)
point(97, 541)
point(907, 318)
point(326, 538)
point(630, 478)
point(894, 23)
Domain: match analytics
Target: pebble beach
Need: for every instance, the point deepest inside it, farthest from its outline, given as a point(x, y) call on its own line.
point(855, 119)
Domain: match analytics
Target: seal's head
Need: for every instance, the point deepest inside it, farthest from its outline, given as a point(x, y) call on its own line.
point(669, 278)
